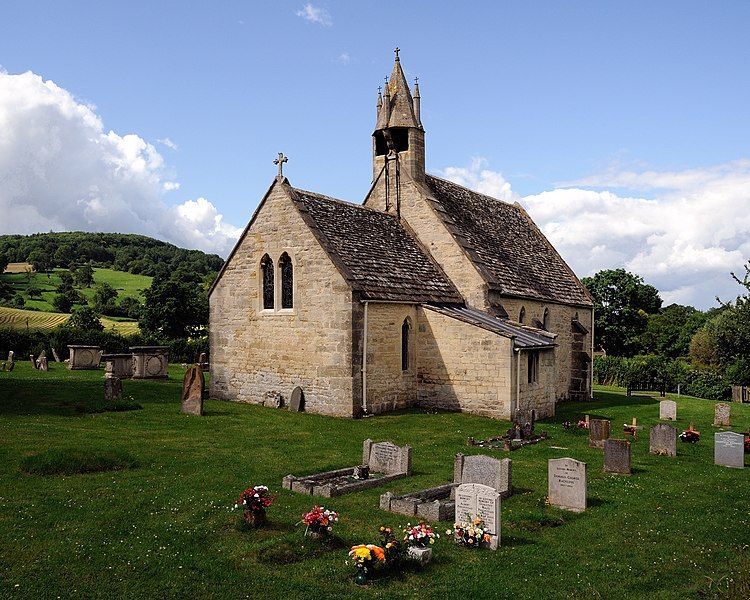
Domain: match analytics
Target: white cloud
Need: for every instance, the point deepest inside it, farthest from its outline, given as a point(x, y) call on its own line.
point(168, 143)
point(344, 58)
point(684, 239)
point(60, 170)
point(315, 14)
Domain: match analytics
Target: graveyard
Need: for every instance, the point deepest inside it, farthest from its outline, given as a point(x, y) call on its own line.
point(156, 517)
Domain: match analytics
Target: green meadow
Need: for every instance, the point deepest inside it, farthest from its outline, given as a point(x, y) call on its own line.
point(150, 512)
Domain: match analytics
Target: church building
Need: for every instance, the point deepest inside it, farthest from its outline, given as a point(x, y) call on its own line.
point(426, 295)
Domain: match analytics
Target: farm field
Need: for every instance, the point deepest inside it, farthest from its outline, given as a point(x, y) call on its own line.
point(165, 528)
point(17, 318)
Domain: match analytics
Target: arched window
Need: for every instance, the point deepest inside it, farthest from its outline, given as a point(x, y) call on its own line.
point(266, 267)
point(522, 315)
point(405, 327)
point(545, 319)
point(287, 281)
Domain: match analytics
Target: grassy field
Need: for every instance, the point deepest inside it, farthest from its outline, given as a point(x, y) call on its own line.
point(17, 318)
point(165, 528)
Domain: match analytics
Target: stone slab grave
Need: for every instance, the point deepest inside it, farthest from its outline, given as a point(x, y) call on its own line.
point(84, 357)
point(439, 503)
point(150, 362)
point(193, 390)
point(119, 365)
point(477, 500)
point(729, 449)
point(668, 410)
point(385, 462)
point(722, 411)
point(617, 456)
point(567, 483)
point(663, 440)
point(598, 432)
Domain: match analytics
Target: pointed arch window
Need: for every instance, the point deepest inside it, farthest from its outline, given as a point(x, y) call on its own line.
point(522, 315)
point(266, 267)
point(287, 281)
point(545, 320)
point(405, 332)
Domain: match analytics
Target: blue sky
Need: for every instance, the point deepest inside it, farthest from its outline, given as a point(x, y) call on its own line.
point(637, 100)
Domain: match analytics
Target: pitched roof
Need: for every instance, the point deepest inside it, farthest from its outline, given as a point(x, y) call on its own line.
point(522, 335)
point(374, 251)
point(505, 245)
point(401, 102)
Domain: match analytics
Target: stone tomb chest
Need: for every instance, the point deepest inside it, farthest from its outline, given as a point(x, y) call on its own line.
point(119, 365)
point(150, 362)
point(382, 462)
point(439, 503)
point(84, 357)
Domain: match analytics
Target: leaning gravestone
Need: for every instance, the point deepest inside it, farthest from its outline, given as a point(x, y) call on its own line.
point(729, 449)
point(297, 400)
point(11, 354)
point(598, 432)
point(192, 391)
point(721, 414)
point(112, 387)
point(617, 456)
point(33, 360)
point(56, 355)
point(474, 500)
point(668, 410)
point(663, 440)
point(566, 483)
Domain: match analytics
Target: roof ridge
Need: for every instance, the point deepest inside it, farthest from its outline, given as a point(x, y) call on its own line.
point(344, 202)
point(448, 181)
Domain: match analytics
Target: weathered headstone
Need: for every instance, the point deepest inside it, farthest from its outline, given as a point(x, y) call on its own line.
point(112, 387)
point(11, 354)
point(617, 456)
point(273, 399)
point(192, 391)
point(120, 365)
point(42, 363)
point(477, 500)
point(202, 358)
point(56, 355)
point(598, 432)
point(663, 440)
point(668, 410)
point(11, 366)
point(33, 361)
point(297, 400)
point(386, 457)
point(2, 366)
point(566, 483)
point(487, 470)
point(721, 414)
point(729, 449)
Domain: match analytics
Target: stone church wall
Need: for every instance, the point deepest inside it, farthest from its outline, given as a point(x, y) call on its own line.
point(255, 353)
point(540, 395)
point(462, 367)
point(560, 317)
point(388, 386)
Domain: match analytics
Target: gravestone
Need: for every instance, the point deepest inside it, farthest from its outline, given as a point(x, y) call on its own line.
point(566, 483)
point(598, 432)
point(386, 457)
point(729, 449)
point(477, 500)
point(487, 470)
point(150, 362)
point(84, 357)
point(192, 391)
point(2, 366)
point(33, 360)
point(112, 387)
point(42, 363)
point(202, 358)
point(273, 399)
point(11, 366)
point(663, 440)
point(120, 365)
point(668, 410)
point(617, 456)
point(721, 414)
point(297, 400)
point(11, 354)
point(56, 355)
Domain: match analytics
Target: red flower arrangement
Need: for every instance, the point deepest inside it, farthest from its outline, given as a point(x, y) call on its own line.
point(255, 499)
point(319, 520)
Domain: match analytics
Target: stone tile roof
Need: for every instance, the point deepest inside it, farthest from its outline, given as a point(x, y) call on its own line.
point(505, 245)
point(374, 251)
point(522, 335)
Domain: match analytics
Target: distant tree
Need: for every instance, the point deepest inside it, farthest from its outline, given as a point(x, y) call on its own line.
point(6, 291)
point(34, 291)
point(175, 307)
point(40, 261)
point(3, 261)
point(84, 275)
point(66, 278)
point(130, 307)
point(622, 303)
point(84, 318)
point(104, 298)
point(65, 298)
point(669, 331)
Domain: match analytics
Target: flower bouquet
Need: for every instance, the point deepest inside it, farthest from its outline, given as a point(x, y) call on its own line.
point(418, 539)
point(254, 502)
point(690, 435)
point(366, 557)
point(319, 521)
point(471, 533)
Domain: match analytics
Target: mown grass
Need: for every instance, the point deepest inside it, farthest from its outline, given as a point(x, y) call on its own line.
point(71, 461)
point(676, 528)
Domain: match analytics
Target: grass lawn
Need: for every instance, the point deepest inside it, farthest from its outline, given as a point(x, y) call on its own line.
point(164, 526)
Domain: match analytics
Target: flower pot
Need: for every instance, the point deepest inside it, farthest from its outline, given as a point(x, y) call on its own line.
point(255, 518)
point(419, 554)
point(361, 578)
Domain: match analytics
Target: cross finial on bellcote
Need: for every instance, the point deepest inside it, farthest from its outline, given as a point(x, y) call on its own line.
point(396, 51)
point(280, 161)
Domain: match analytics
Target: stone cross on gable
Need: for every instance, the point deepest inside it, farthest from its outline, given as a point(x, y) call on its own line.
point(280, 161)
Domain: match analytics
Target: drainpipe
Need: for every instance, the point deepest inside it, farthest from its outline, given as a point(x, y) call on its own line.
point(518, 384)
point(364, 364)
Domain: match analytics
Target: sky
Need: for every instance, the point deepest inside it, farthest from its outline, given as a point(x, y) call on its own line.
point(623, 128)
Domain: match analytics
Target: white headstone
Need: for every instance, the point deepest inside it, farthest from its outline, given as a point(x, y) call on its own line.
point(567, 483)
point(668, 410)
point(721, 414)
point(476, 500)
point(729, 449)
